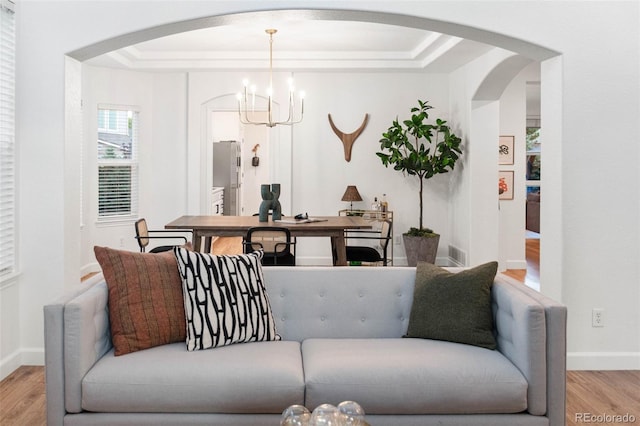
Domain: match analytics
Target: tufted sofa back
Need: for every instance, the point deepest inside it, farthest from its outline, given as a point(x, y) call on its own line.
point(311, 302)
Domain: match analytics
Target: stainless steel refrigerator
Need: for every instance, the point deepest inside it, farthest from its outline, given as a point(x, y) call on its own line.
point(226, 174)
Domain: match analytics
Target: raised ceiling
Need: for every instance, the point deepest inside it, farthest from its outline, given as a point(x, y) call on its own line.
point(299, 45)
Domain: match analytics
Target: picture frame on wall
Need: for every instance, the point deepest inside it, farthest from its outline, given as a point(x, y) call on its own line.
point(505, 185)
point(505, 150)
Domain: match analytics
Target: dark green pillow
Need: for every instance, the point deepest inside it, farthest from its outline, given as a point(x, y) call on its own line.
point(455, 307)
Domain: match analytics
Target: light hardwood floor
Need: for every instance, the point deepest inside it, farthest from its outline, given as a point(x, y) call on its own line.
point(589, 393)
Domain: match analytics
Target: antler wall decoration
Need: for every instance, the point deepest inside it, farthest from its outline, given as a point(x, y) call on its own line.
point(348, 138)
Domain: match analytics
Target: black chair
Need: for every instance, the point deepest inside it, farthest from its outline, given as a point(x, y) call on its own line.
point(275, 242)
point(370, 254)
point(143, 235)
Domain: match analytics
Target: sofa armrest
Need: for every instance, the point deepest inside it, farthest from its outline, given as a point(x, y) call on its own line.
point(68, 347)
point(521, 336)
point(556, 351)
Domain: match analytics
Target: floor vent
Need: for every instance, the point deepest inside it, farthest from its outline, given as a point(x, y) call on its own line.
point(457, 256)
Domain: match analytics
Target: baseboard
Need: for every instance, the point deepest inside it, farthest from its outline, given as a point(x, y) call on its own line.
point(89, 268)
point(603, 361)
point(313, 261)
point(449, 262)
point(397, 261)
point(9, 364)
point(33, 356)
point(516, 264)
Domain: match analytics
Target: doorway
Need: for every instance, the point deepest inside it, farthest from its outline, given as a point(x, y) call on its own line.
point(533, 184)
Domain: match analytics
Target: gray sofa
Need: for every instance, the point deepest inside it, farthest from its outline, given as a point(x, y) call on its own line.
point(342, 334)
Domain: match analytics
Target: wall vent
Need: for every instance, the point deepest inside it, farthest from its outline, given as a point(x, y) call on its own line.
point(457, 256)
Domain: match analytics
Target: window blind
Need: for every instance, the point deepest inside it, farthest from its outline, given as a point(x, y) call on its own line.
point(117, 163)
point(7, 141)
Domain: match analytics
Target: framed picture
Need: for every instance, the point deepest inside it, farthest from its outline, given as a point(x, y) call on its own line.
point(505, 150)
point(505, 185)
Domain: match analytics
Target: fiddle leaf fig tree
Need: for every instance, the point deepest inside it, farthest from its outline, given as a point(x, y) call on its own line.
point(420, 149)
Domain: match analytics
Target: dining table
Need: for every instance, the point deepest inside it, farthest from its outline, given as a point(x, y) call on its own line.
point(204, 228)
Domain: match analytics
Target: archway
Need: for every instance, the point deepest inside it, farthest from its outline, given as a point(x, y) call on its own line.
point(522, 47)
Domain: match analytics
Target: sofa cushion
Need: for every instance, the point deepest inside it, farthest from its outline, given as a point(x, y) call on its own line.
point(455, 307)
point(261, 377)
point(412, 376)
point(225, 299)
point(146, 308)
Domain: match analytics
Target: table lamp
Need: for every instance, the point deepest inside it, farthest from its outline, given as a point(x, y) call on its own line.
point(351, 194)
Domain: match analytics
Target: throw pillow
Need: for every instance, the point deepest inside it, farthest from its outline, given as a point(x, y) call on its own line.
point(146, 308)
point(455, 307)
point(225, 299)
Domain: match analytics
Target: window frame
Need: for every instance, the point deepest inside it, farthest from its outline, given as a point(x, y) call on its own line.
point(133, 114)
point(8, 147)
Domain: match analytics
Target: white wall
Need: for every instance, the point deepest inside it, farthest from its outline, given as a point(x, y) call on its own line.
point(594, 262)
point(479, 228)
point(161, 101)
point(512, 213)
point(320, 172)
point(313, 171)
point(211, 92)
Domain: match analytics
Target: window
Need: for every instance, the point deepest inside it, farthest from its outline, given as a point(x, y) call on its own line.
point(117, 163)
point(7, 141)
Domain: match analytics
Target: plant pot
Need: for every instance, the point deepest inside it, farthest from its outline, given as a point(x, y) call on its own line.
point(421, 249)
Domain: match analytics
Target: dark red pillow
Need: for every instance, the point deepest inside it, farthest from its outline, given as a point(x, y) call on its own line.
point(146, 307)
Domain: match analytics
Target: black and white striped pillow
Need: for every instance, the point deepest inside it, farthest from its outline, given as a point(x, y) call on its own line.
point(225, 299)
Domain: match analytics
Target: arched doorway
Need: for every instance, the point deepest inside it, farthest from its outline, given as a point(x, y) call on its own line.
point(522, 47)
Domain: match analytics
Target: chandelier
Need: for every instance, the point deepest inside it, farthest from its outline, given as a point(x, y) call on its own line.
point(247, 98)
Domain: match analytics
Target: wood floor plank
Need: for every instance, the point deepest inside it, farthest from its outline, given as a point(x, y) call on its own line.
point(22, 397)
point(227, 245)
point(603, 393)
point(532, 273)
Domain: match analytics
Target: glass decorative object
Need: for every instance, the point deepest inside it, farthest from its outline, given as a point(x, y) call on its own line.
point(347, 413)
point(295, 415)
point(351, 413)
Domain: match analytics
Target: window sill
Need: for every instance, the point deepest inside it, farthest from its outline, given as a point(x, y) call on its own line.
point(115, 221)
point(9, 280)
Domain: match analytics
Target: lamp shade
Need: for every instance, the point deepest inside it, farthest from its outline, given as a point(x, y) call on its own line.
point(351, 194)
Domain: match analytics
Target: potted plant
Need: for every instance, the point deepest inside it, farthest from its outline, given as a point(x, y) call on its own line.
point(417, 148)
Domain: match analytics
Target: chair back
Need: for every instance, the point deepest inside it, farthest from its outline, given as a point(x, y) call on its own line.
point(385, 234)
point(142, 234)
point(275, 242)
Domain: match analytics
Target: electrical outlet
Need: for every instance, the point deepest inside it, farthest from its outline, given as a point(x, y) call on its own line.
point(597, 317)
point(121, 242)
point(398, 240)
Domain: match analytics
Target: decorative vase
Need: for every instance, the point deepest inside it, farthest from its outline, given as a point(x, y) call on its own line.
point(270, 201)
point(421, 249)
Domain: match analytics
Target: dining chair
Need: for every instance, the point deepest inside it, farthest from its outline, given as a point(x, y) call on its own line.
point(367, 253)
point(144, 234)
point(276, 243)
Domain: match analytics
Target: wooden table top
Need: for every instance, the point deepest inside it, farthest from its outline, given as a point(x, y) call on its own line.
point(242, 223)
